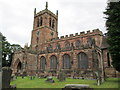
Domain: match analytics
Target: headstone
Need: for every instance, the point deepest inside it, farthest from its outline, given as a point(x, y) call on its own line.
point(77, 87)
point(31, 78)
point(22, 76)
point(61, 76)
point(50, 80)
point(6, 77)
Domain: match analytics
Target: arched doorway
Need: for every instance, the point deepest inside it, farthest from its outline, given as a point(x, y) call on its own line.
point(19, 67)
point(53, 62)
point(66, 61)
point(82, 61)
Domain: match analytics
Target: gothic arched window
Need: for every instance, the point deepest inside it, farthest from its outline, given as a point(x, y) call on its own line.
point(41, 21)
point(77, 43)
point(37, 22)
point(53, 24)
point(53, 62)
point(66, 61)
point(50, 22)
point(42, 63)
point(82, 61)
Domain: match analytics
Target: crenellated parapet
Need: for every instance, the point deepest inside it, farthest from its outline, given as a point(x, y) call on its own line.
point(81, 34)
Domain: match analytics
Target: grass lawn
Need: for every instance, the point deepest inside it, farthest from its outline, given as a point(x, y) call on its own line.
point(40, 83)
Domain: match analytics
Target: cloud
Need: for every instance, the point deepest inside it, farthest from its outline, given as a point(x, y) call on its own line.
point(16, 17)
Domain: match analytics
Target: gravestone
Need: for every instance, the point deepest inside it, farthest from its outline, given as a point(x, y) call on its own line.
point(61, 76)
point(31, 78)
point(77, 87)
point(50, 80)
point(6, 77)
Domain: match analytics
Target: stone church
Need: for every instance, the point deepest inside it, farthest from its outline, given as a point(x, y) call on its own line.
point(79, 55)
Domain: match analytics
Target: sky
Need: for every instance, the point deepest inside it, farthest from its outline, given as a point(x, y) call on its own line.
point(75, 16)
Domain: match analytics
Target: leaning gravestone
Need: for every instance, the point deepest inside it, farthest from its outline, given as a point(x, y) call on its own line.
point(6, 77)
point(61, 76)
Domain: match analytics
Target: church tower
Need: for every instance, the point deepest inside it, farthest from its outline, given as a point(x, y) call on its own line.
point(44, 27)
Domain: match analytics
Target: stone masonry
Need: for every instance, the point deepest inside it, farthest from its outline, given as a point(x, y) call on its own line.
point(77, 55)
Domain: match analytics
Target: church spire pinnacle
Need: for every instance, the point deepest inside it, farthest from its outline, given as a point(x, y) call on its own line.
point(46, 5)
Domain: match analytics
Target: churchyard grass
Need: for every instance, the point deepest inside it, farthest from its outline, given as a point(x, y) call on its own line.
point(40, 83)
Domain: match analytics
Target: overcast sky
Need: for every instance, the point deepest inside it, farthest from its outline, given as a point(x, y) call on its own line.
point(16, 17)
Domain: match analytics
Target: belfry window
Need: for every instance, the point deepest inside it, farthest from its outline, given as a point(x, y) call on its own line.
point(37, 22)
point(50, 22)
point(53, 24)
point(41, 21)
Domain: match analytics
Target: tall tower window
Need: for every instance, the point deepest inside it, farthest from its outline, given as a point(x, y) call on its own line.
point(50, 22)
point(53, 24)
point(41, 21)
point(37, 22)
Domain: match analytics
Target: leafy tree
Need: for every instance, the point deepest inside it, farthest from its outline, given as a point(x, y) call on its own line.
point(7, 51)
point(113, 28)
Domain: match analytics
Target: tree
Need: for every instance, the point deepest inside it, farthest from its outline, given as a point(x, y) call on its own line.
point(7, 51)
point(113, 28)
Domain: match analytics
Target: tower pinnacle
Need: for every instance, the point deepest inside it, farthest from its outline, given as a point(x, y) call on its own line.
point(46, 5)
point(34, 11)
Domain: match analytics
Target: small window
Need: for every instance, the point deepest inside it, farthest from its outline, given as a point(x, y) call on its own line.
point(37, 39)
point(77, 43)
